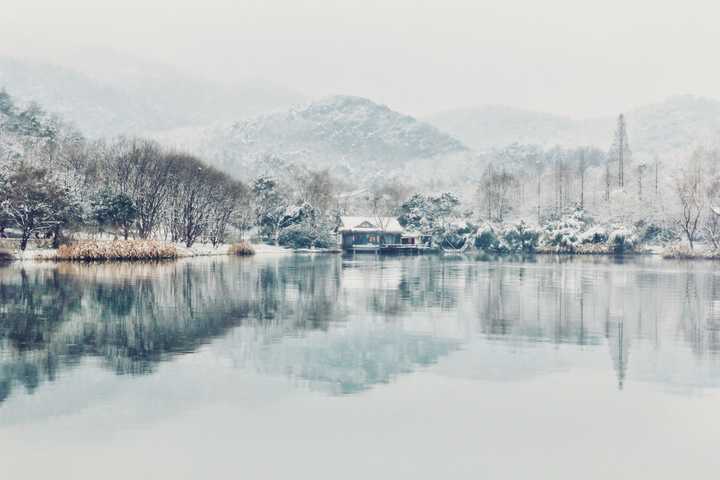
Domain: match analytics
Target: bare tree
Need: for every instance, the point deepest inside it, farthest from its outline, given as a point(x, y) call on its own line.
point(230, 206)
point(383, 202)
point(691, 199)
point(494, 191)
point(641, 168)
point(141, 170)
point(581, 167)
point(191, 198)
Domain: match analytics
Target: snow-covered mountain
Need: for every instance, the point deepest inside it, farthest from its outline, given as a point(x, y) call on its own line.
point(123, 95)
point(675, 125)
point(338, 131)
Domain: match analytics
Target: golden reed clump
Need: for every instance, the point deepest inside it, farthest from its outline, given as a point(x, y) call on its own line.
point(241, 249)
point(117, 250)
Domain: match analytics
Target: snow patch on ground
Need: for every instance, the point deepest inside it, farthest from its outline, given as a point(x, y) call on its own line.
point(197, 250)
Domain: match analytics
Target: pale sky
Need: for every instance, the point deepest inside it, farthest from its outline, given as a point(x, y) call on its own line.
point(563, 56)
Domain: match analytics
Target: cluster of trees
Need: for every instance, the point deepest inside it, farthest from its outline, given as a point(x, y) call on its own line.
point(129, 188)
point(299, 210)
point(52, 180)
point(529, 181)
point(696, 212)
point(153, 192)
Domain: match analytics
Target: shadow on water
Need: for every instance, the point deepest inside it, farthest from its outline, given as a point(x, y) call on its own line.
point(346, 324)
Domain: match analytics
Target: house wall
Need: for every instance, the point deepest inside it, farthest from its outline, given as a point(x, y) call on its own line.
point(349, 238)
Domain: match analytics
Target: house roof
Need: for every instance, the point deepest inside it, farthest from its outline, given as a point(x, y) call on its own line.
point(370, 224)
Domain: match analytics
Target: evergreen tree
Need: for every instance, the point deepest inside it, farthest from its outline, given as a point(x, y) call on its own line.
point(620, 150)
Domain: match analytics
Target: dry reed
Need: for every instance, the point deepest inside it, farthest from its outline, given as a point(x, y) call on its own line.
point(683, 252)
point(117, 250)
point(241, 249)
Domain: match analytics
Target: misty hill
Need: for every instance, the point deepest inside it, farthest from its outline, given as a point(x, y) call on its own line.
point(122, 95)
point(338, 131)
point(493, 125)
point(675, 125)
point(25, 129)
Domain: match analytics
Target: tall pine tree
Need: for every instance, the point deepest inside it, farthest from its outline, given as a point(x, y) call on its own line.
point(620, 150)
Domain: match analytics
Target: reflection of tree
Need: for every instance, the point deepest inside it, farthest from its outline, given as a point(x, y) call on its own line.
point(133, 319)
point(344, 364)
point(33, 307)
point(132, 316)
point(619, 344)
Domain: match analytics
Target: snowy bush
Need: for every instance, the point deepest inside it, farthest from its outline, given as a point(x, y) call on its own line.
point(304, 235)
point(654, 233)
point(519, 238)
point(452, 235)
point(622, 240)
point(486, 239)
point(594, 235)
point(563, 235)
point(507, 239)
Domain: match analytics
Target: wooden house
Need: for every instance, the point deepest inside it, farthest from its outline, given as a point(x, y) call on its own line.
point(369, 233)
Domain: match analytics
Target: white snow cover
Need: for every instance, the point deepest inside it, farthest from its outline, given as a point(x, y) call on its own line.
point(370, 224)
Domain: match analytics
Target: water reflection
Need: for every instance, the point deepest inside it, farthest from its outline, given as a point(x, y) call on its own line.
point(343, 325)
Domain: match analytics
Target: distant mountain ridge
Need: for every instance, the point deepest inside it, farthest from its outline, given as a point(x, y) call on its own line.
point(677, 124)
point(128, 96)
point(348, 130)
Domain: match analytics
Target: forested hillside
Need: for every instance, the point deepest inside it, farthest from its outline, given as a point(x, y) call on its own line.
point(343, 133)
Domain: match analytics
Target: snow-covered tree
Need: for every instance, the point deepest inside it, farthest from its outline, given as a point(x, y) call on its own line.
point(690, 199)
point(620, 150)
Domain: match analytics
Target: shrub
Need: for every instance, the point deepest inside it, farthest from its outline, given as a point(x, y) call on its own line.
point(241, 249)
point(594, 235)
point(296, 236)
point(562, 238)
point(653, 233)
point(486, 239)
point(519, 238)
point(622, 240)
point(5, 256)
point(302, 235)
point(117, 250)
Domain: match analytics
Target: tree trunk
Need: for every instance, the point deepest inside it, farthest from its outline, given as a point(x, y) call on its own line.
point(24, 240)
point(57, 234)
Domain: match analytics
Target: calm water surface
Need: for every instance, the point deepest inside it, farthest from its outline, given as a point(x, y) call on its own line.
point(328, 367)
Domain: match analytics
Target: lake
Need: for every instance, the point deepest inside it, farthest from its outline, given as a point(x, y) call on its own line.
point(360, 367)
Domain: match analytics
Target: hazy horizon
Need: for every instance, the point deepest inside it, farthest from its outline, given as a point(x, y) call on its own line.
point(416, 57)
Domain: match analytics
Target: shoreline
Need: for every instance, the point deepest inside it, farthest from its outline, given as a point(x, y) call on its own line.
point(198, 250)
point(207, 250)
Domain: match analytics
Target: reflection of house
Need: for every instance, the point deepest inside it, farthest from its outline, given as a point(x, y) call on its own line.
point(369, 233)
